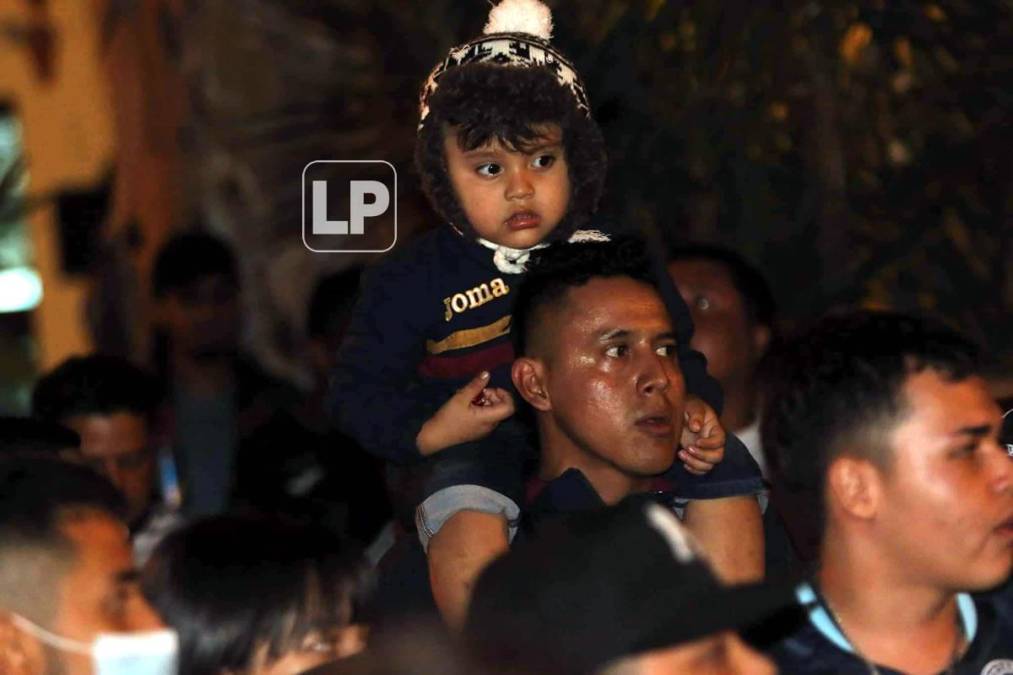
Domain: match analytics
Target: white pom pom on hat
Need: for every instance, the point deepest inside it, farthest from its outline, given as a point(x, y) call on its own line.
point(520, 16)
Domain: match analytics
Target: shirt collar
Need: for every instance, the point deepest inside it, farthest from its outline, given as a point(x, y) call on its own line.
point(822, 622)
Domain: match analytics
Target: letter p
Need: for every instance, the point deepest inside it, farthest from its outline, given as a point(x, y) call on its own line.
point(357, 206)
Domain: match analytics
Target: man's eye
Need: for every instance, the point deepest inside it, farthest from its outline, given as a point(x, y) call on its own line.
point(490, 169)
point(702, 303)
point(667, 350)
point(964, 452)
point(543, 161)
point(615, 351)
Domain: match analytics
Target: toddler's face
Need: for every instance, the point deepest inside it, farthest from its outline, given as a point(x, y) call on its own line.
point(512, 198)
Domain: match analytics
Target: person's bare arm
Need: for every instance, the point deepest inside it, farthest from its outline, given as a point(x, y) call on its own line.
point(458, 553)
point(730, 530)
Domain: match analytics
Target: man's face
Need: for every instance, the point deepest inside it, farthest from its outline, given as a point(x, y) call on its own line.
point(947, 496)
point(118, 446)
point(612, 377)
point(202, 318)
point(99, 593)
point(722, 654)
point(722, 329)
point(511, 198)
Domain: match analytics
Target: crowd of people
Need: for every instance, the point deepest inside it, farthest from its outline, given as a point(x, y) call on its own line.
point(535, 443)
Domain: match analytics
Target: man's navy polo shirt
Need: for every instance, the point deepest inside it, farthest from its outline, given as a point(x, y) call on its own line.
point(819, 648)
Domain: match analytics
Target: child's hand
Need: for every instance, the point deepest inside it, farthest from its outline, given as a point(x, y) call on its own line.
point(472, 413)
point(703, 437)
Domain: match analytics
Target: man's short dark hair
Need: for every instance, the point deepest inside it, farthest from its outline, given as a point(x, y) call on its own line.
point(483, 102)
point(554, 270)
point(189, 257)
point(232, 585)
point(95, 385)
point(29, 437)
point(37, 497)
point(747, 279)
point(840, 388)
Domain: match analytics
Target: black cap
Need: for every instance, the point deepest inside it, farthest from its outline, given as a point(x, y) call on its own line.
point(597, 586)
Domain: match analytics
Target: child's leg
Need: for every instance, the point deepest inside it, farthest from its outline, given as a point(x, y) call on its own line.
point(471, 513)
point(458, 553)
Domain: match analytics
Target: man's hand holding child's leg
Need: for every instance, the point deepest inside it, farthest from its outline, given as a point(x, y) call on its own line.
point(472, 413)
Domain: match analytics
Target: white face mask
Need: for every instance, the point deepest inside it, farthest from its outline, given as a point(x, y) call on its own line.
point(148, 653)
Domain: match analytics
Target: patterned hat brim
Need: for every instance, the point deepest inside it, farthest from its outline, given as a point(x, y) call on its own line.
point(509, 50)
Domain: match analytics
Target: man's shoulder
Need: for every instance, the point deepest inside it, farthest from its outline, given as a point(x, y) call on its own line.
point(808, 650)
point(991, 650)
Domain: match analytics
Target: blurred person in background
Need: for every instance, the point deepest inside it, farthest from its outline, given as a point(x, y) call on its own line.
point(69, 601)
point(319, 474)
point(110, 403)
point(734, 317)
point(256, 595)
point(413, 648)
point(218, 397)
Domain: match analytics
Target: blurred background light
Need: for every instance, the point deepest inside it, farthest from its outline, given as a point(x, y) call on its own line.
point(20, 289)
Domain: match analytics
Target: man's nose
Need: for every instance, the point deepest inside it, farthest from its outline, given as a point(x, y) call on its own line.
point(654, 376)
point(1001, 469)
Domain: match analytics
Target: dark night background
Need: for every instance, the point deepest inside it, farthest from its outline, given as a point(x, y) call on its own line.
point(858, 152)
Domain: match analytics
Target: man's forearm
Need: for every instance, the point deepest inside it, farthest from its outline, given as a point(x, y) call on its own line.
point(730, 530)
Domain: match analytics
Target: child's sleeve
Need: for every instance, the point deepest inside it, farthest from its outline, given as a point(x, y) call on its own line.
point(376, 395)
point(736, 475)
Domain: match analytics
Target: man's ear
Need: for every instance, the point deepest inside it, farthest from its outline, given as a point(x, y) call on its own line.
point(854, 486)
point(528, 375)
point(20, 653)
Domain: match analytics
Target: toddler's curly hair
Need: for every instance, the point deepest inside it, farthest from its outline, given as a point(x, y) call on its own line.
point(484, 101)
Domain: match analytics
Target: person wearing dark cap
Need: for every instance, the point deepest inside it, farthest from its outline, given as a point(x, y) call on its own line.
point(618, 590)
point(884, 423)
